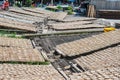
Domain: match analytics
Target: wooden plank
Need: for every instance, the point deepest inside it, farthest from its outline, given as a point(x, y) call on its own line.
point(91, 11)
point(110, 14)
point(69, 24)
point(38, 10)
point(58, 15)
point(75, 19)
point(75, 26)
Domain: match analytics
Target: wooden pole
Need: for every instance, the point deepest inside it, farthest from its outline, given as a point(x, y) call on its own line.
point(52, 2)
point(41, 3)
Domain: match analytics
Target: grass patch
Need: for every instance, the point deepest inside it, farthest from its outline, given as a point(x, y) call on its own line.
point(29, 63)
point(10, 34)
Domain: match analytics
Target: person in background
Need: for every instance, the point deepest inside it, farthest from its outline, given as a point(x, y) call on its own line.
point(19, 4)
point(83, 7)
point(6, 5)
point(34, 4)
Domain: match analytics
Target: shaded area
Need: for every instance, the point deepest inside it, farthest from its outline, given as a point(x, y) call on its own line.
point(48, 43)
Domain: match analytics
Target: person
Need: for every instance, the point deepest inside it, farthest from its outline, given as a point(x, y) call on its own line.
point(82, 7)
point(34, 4)
point(6, 4)
point(19, 4)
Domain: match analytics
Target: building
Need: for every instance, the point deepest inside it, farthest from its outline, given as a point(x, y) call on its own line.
point(106, 4)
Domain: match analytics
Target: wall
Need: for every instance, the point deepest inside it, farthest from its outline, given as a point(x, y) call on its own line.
point(106, 4)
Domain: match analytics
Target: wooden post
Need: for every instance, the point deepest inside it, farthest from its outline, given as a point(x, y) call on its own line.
point(91, 11)
point(52, 2)
point(41, 3)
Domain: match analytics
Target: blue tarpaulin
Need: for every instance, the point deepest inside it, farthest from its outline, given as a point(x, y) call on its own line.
point(71, 0)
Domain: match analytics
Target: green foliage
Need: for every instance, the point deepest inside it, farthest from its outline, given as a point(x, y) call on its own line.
point(70, 8)
point(53, 10)
point(59, 7)
point(10, 34)
point(28, 3)
point(70, 12)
